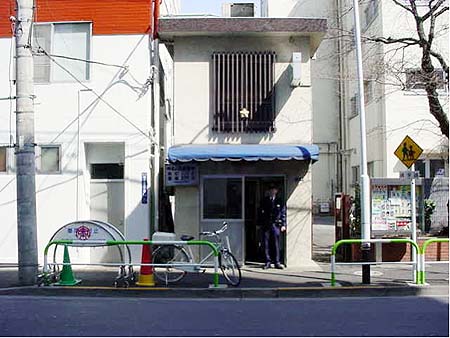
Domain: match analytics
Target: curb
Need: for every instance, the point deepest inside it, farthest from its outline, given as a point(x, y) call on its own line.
point(243, 293)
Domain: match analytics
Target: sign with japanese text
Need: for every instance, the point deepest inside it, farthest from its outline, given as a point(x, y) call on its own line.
point(181, 174)
point(144, 185)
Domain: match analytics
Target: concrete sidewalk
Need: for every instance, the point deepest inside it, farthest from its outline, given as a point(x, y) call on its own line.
point(254, 277)
point(256, 281)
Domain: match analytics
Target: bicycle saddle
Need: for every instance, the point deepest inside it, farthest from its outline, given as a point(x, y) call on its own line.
point(186, 238)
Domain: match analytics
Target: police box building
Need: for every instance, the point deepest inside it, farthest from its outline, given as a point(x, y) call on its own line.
point(242, 123)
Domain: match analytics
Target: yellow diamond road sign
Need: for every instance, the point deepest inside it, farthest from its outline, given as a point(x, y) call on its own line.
point(408, 152)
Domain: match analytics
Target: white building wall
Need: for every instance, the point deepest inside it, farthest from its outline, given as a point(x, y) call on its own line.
point(393, 112)
point(325, 93)
point(56, 110)
point(407, 111)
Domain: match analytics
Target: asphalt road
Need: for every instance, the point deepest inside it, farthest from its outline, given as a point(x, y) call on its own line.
point(90, 316)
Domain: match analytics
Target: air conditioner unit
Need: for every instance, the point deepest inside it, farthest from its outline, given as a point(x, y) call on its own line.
point(238, 10)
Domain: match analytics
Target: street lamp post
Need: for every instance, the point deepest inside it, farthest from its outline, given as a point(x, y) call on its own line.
point(365, 180)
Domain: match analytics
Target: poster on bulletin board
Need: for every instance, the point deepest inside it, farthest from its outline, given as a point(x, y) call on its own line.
point(391, 205)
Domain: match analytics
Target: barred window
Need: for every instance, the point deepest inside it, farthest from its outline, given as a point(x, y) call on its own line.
point(243, 92)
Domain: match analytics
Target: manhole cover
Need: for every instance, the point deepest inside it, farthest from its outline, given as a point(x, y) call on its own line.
point(372, 273)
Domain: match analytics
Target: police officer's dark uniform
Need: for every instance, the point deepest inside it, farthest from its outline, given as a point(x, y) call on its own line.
point(273, 216)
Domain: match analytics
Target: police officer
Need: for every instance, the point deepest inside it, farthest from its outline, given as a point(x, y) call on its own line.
point(273, 215)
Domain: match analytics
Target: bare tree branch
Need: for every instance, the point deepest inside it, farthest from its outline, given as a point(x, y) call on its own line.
point(402, 5)
point(432, 10)
point(390, 40)
point(441, 60)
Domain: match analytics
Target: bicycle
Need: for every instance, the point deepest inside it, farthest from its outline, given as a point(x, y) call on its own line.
point(176, 258)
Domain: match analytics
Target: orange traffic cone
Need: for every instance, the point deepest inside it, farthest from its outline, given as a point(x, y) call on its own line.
point(146, 273)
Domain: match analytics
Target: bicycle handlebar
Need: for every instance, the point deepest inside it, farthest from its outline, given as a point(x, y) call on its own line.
point(217, 232)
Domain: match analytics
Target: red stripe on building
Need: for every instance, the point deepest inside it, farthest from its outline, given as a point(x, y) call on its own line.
point(107, 16)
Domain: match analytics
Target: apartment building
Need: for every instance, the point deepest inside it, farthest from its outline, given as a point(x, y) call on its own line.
point(396, 102)
point(93, 119)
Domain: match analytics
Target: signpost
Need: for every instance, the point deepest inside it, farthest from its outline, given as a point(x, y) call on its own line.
point(408, 152)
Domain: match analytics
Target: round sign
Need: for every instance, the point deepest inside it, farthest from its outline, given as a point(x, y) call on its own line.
point(83, 233)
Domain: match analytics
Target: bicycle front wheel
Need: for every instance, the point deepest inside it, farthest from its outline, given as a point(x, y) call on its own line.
point(230, 268)
point(170, 254)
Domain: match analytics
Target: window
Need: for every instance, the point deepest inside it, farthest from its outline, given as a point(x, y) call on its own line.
point(437, 168)
point(368, 91)
point(354, 106)
point(222, 198)
point(3, 156)
point(415, 79)
point(420, 167)
point(64, 39)
point(352, 38)
point(371, 168)
point(243, 92)
point(370, 12)
point(355, 175)
point(49, 160)
point(112, 171)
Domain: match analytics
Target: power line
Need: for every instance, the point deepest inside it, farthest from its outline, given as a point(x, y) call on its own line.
point(98, 96)
point(40, 50)
point(95, 102)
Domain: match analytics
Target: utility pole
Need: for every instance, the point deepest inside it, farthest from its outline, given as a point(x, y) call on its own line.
point(155, 66)
point(25, 147)
point(365, 180)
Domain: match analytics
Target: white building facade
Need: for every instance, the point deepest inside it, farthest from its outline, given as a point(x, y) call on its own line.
point(396, 105)
point(92, 120)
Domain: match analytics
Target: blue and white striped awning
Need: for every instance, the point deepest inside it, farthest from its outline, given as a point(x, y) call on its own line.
point(247, 152)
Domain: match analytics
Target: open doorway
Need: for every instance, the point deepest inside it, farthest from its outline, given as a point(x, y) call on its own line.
point(256, 188)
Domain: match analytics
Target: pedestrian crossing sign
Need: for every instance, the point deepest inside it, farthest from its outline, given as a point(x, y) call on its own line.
point(408, 151)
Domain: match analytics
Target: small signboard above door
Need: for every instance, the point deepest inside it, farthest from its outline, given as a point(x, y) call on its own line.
point(181, 174)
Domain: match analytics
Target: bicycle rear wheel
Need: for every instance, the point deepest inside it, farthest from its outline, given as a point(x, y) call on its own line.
point(230, 268)
point(170, 254)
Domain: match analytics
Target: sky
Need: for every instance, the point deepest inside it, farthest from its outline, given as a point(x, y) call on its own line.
point(202, 6)
point(205, 6)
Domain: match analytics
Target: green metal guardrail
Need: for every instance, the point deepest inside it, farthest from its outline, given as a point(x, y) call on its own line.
point(422, 251)
point(360, 241)
point(112, 243)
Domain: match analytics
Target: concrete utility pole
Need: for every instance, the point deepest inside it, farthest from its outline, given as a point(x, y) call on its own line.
point(155, 65)
point(365, 180)
point(24, 148)
point(156, 126)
